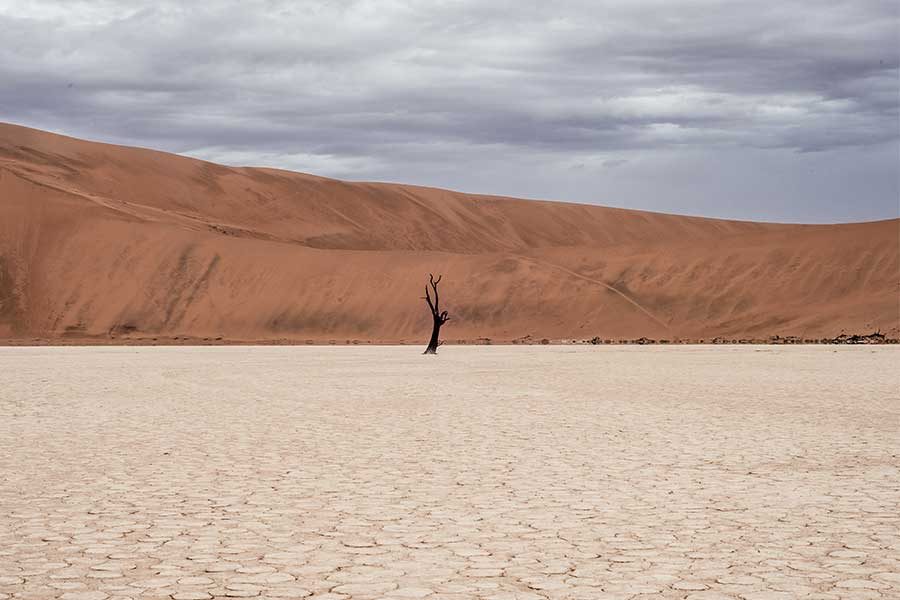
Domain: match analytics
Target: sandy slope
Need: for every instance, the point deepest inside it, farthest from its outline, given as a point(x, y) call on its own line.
point(99, 240)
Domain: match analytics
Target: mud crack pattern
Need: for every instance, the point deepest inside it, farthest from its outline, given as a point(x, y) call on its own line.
point(494, 473)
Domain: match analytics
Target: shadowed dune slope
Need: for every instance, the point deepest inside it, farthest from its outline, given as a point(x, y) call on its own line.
point(108, 242)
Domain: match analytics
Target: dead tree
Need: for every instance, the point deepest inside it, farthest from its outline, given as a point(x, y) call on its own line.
point(439, 317)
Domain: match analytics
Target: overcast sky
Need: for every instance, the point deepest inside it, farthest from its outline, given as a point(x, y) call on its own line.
point(767, 110)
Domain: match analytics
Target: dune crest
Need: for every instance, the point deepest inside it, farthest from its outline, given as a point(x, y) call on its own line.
point(110, 243)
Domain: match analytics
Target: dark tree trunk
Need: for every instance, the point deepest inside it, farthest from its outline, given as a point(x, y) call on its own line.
point(439, 317)
point(435, 335)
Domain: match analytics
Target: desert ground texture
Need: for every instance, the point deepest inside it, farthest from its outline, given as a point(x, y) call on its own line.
point(493, 473)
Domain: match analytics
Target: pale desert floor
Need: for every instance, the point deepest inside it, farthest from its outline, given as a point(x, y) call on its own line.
point(488, 472)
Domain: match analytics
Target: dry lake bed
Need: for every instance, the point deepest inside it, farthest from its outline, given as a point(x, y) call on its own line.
point(485, 472)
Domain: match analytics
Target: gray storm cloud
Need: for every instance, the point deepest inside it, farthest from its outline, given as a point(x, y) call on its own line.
point(764, 110)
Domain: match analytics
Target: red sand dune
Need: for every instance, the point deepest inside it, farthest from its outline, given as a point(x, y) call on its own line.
point(109, 243)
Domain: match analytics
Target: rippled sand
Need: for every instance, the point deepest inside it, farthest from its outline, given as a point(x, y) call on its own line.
point(484, 472)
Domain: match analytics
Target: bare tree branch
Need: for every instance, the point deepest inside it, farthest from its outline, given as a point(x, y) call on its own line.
point(427, 299)
point(434, 283)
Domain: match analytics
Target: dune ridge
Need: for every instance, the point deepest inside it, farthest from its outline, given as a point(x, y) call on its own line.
point(114, 244)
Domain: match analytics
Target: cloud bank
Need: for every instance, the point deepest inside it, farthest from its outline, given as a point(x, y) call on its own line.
point(779, 110)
